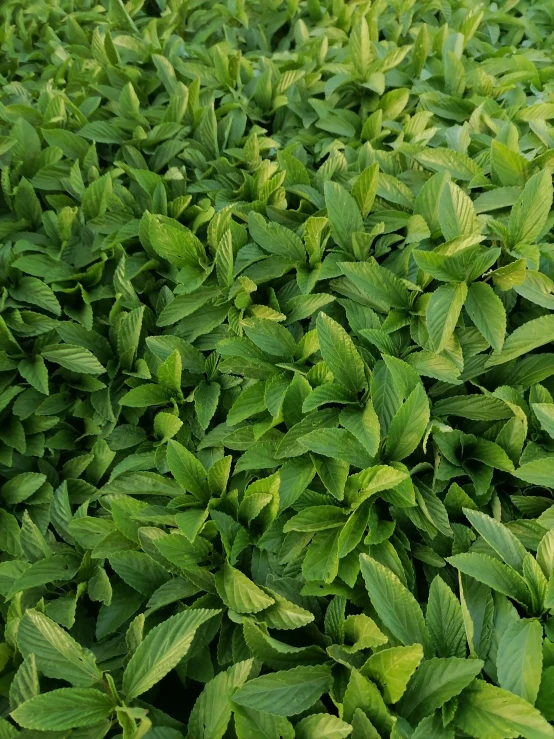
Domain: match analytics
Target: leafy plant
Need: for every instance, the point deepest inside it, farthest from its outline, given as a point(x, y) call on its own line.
point(276, 369)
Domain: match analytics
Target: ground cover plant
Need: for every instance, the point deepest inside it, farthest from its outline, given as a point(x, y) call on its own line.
point(276, 369)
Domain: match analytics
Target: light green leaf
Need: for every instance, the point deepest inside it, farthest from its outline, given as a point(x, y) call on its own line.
point(510, 166)
point(443, 312)
point(392, 669)
point(364, 188)
point(239, 592)
point(344, 216)
point(340, 354)
point(252, 724)
point(147, 395)
point(338, 444)
point(530, 210)
point(206, 398)
point(74, 358)
point(211, 712)
point(187, 470)
point(161, 650)
point(445, 621)
point(545, 553)
point(360, 48)
point(487, 312)
point(322, 726)
point(519, 660)
point(493, 573)
point(363, 425)
point(456, 213)
point(57, 654)
point(529, 336)
point(459, 165)
point(488, 712)
point(363, 694)
point(545, 415)
point(377, 282)
point(435, 682)
point(65, 708)
point(408, 425)
point(395, 605)
point(270, 337)
point(538, 471)
point(499, 537)
point(287, 692)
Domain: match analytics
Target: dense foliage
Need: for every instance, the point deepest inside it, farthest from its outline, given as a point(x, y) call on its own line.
point(276, 369)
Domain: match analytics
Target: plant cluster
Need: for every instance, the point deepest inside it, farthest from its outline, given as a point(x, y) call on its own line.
point(276, 369)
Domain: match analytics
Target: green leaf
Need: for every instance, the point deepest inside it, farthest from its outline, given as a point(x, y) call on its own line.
point(161, 650)
point(545, 415)
point(322, 557)
point(529, 336)
point(445, 621)
point(443, 312)
point(21, 487)
point(57, 654)
point(285, 693)
point(474, 407)
point(211, 712)
point(277, 654)
point(435, 682)
point(378, 283)
point(206, 398)
point(74, 358)
point(187, 470)
point(252, 724)
point(276, 239)
point(538, 471)
point(338, 444)
point(95, 197)
point(139, 571)
point(35, 372)
point(144, 396)
point(408, 425)
point(364, 188)
point(340, 354)
point(392, 669)
point(65, 708)
point(493, 573)
point(239, 592)
point(530, 211)
point(499, 537)
point(459, 165)
point(487, 312)
point(364, 426)
point(488, 712)
point(344, 216)
point(25, 683)
point(545, 553)
point(316, 518)
point(270, 337)
point(362, 694)
point(374, 480)
point(395, 605)
point(456, 213)
point(519, 660)
point(322, 726)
